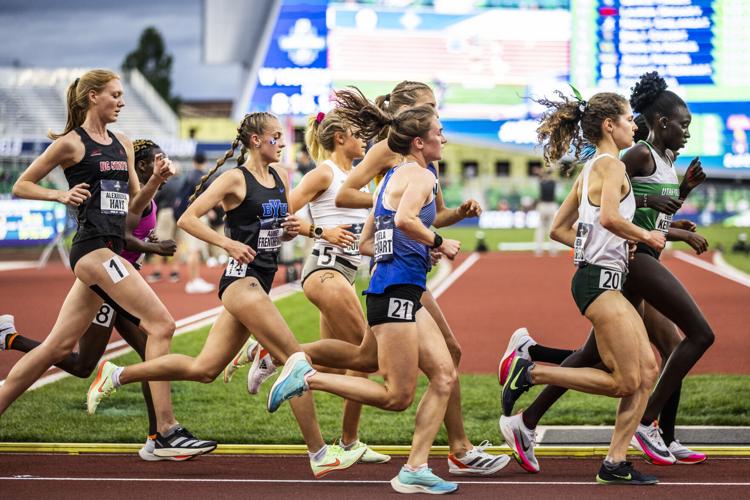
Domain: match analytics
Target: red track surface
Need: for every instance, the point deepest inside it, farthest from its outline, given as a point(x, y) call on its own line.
point(498, 294)
point(219, 477)
point(502, 292)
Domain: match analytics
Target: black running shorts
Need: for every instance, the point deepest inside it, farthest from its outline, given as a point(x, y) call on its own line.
point(398, 304)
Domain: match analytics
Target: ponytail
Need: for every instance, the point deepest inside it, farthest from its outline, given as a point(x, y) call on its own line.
point(78, 98)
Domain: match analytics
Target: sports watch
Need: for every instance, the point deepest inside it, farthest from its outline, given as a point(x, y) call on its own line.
point(318, 232)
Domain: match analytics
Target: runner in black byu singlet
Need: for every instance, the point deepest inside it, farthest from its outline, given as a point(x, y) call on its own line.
point(256, 222)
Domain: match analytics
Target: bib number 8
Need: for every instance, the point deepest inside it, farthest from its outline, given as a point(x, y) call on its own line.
point(104, 315)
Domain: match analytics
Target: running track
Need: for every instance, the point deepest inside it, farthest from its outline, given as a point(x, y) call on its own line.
point(497, 294)
point(269, 477)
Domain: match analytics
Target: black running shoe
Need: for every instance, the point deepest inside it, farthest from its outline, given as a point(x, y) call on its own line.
point(516, 384)
point(623, 473)
point(181, 444)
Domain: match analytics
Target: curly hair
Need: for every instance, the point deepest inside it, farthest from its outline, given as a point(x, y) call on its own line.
point(253, 123)
point(571, 123)
point(651, 98)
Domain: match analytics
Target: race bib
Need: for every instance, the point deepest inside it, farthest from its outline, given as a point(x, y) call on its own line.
point(384, 238)
point(610, 280)
point(663, 221)
point(235, 269)
point(269, 237)
point(356, 230)
point(104, 316)
point(401, 309)
point(114, 197)
point(582, 234)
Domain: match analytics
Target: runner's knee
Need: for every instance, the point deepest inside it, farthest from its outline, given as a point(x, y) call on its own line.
point(399, 398)
point(627, 383)
point(442, 383)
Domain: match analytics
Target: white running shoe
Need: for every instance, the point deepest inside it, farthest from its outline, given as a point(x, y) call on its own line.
point(477, 462)
point(241, 359)
point(518, 346)
point(685, 455)
point(7, 327)
point(261, 369)
point(521, 440)
point(647, 439)
point(199, 285)
point(370, 456)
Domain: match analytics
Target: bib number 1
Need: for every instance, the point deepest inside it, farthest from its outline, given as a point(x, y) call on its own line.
point(116, 269)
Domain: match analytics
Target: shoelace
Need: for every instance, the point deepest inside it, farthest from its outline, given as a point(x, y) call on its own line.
point(654, 433)
point(483, 446)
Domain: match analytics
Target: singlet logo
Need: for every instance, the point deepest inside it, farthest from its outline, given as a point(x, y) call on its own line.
point(107, 166)
point(96, 152)
point(274, 208)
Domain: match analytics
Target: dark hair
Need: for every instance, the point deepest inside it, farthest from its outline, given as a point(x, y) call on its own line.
point(642, 133)
point(651, 98)
point(367, 119)
point(570, 122)
point(199, 157)
point(253, 123)
point(143, 150)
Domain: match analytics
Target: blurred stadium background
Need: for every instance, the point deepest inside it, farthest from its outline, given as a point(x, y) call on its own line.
point(485, 59)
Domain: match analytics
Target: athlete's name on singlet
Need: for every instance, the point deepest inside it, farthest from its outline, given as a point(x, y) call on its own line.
point(108, 166)
point(670, 191)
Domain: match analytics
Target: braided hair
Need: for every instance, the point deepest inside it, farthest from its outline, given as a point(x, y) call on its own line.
point(253, 123)
point(144, 150)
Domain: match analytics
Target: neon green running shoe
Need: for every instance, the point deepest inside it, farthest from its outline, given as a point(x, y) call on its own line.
point(242, 358)
point(371, 456)
point(102, 386)
point(336, 458)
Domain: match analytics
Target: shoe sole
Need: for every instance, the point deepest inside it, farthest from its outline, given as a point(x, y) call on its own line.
point(691, 462)
point(471, 471)
point(285, 373)
point(170, 453)
point(96, 381)
point(510, 350)
point(318, 475)
point(635, 442)
point(253, 389)
point(150, 457)
point(415, 488)
point(510, 440)
point(623, 481)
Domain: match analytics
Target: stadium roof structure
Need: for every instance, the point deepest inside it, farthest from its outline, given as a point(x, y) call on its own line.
point(237, 31)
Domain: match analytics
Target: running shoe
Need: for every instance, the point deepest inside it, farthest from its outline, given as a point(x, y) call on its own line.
point(518, 345)
point(336, 458)
point(7, 328)
point(199, 285)
point(521, 440)
point(421, 481)
point(292, 382)
point(477, 462)
point(174, 277)
point(647, 439)
point(102, 386)
point(685, 455)
point(261, 370)
point(370, 456)
point(623, 473)
point(242, 358)
point(516, 384)
point(154, 277)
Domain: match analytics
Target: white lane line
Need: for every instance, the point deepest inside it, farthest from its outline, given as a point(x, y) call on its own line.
point(737, 278)
point(333, 481)
point(184, 325)
point(460, 270)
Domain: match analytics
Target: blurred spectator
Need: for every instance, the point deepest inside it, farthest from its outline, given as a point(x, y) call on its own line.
point(196, 249)
point(304, 162)
point(546, 207)
point(165, 199)
point(741, 245)
point(481, 242)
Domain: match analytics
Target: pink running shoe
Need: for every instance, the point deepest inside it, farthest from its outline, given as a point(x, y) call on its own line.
point(518, 345)
point(685, 455)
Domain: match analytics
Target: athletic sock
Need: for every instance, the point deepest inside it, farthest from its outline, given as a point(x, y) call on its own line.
point(9, 340)
point(610, 465)
point(548, 354)
point(347, 447)
point(318, 455)
point(415, 469)
point(116, 377)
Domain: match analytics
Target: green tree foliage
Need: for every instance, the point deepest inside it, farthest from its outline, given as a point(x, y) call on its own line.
point(153, 61)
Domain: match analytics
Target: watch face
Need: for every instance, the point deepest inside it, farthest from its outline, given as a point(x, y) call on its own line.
point(318, 232)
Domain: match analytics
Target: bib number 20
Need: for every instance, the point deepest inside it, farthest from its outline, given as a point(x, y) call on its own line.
point(610, 280)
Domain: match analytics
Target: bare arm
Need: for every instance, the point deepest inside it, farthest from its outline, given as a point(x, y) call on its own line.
point(562, 226)
point(66, 151)
point(166, 247)
point(377, 160)
point(613, 173)
point(366, 239)
point(419, 184)
point(225, 190)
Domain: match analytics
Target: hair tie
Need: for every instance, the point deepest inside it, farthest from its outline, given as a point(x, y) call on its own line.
point(388, 97)
point(582, 107)
point(320, 117)
point(75, 83)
